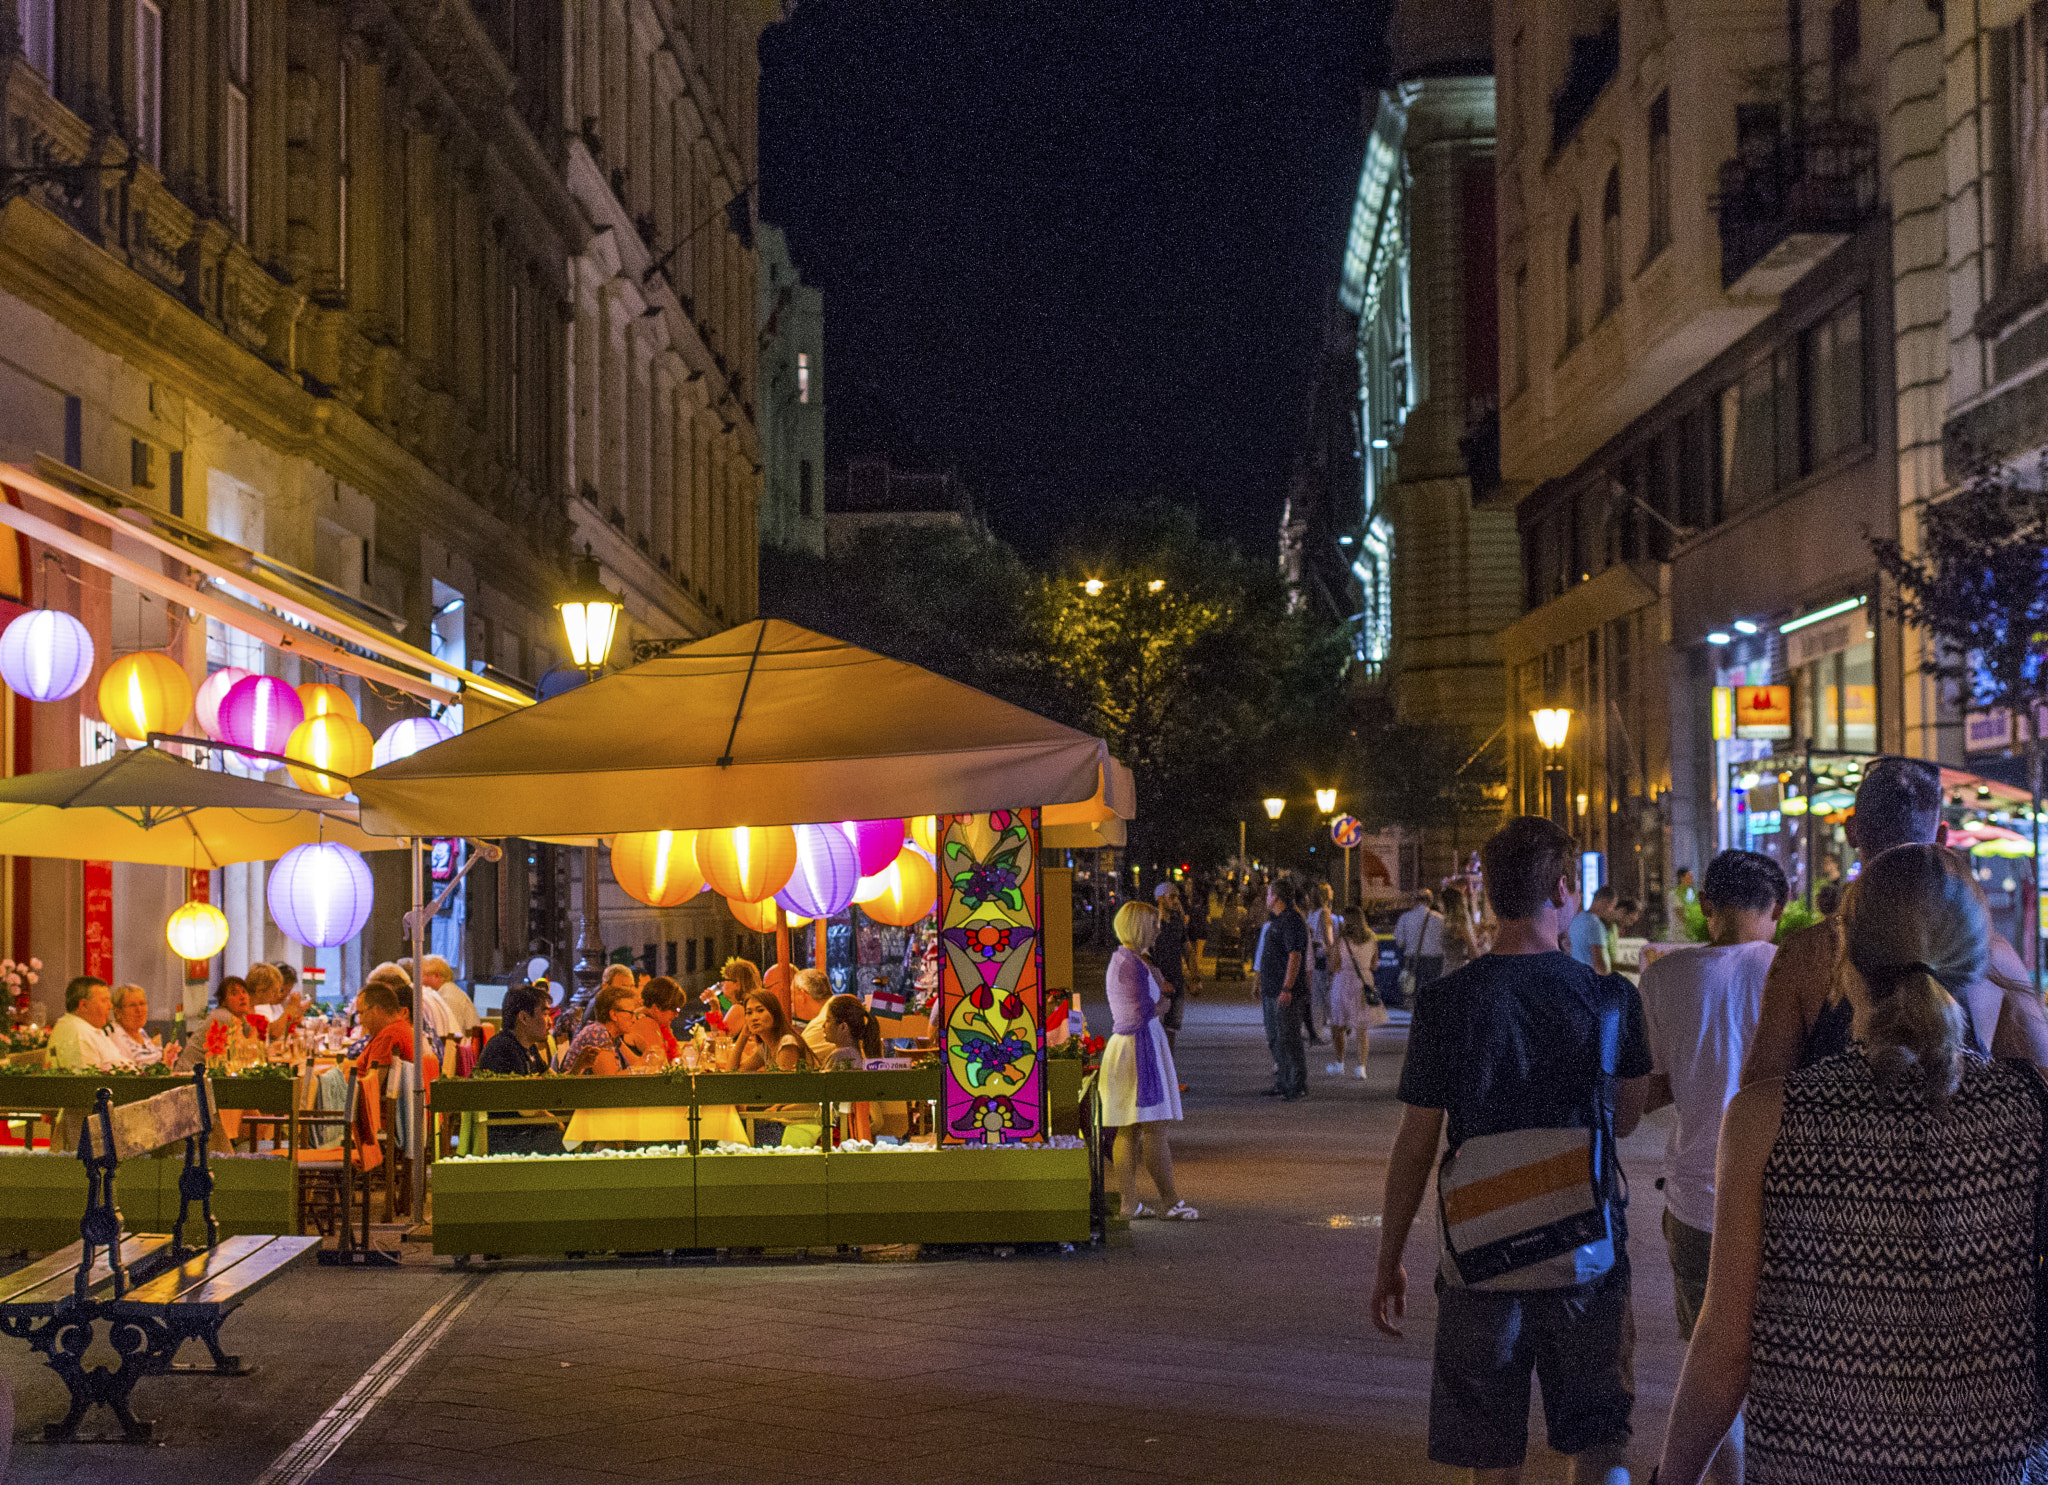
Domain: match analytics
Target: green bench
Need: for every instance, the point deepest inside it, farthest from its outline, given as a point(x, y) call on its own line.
point(155, 1292)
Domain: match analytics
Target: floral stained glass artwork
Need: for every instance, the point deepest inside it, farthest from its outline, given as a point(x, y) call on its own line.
point(992, 979)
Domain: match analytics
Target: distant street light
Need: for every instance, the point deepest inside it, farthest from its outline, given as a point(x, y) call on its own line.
point(1326, 800)
point(1553, 725)
point(1155, 585)
point(1093, 587)
point(1273, 808)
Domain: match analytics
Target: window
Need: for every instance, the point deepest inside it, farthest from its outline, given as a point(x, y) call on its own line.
point(1610, 244)
point(2019, 143)
point(38, 21)
point(804, 497)
point(1573, 253)
point(1518, 372)
point(341, 172)
point(235, 128)
point(1832, 359)
point(515, 336)
point(1749, 435)
point(1660, 176)
point(149, 81)
point(803, 379)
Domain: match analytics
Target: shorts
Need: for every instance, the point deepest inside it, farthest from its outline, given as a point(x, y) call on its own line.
point(1690, 1249)
point(1579, 1342)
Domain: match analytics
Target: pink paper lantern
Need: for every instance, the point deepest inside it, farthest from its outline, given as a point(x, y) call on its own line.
point(259, 714)
point(875, 841)
point(827, 871)
point(212, 692)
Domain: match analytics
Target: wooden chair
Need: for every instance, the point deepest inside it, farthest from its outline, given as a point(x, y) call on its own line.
point(330, 1177)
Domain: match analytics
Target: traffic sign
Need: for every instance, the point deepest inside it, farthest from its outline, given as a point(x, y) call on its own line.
point(1346, 831)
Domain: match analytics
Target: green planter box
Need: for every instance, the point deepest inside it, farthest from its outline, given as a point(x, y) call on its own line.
point(564, 1205)
point(762, 1201)
point(251, 1194)
point(959, 1196)
point(43, 1196)
point(1063, 1094)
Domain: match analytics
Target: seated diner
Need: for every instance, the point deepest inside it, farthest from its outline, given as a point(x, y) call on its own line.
point(615, 1039)
point(766, 1041)
point(131, 1030)
point(79, 1041)
point(387, 1020)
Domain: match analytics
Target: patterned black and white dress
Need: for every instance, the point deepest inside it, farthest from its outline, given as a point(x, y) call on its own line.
point(1893, 1337)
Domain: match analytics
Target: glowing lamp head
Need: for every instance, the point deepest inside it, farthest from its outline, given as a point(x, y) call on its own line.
point(902, 893)
point(145, 692)
point(827, 871)
point(1092, 587)
point(206, 701)
point(337, 748)
point(321, 700)
point(657, 867)
point(1273, 808)
point(1553, 725)
point(748, 862)
point(198, 930)
point(45, 655)
point(1326, 800)
point(589, 615)
point(260, 714)
point(404, 738)
point(320, 894)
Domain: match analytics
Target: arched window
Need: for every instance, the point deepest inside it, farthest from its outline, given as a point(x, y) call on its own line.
point(1610, 244)
point(1573, 260)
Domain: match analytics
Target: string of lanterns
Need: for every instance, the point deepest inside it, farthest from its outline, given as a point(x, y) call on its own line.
point(809, 871)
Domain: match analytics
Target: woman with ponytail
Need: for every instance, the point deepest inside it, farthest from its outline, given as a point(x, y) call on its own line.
point(1871, 1287)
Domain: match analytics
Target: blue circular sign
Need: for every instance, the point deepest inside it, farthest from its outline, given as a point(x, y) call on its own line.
point(1346, 831)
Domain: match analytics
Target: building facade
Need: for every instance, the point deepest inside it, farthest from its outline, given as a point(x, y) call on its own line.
point(1696, 422)
point(792, 346)
point(351, 290)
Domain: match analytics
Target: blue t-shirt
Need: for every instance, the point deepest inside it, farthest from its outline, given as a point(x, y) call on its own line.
point(1586, 934)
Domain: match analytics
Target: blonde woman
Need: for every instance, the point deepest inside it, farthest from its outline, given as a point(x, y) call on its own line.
point(1874, 1212)
point(1140, 1094)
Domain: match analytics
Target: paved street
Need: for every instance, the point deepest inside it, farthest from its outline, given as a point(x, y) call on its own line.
point(1233, 1349)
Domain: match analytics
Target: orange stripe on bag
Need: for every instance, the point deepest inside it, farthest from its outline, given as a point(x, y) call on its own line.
point(1524, 1183)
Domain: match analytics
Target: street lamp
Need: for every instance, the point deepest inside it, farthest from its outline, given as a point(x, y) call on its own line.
point(1274, 807)
point(1093, 587)
point(590, 615)
point(1326, 800)
point(1553, 725)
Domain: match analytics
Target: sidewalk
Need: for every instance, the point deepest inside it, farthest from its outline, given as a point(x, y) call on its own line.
point(1235, 1348)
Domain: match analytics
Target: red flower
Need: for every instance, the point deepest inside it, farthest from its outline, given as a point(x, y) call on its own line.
point(217, 1039)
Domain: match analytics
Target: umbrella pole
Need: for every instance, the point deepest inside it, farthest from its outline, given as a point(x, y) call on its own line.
point(821, 927)
point(782, 959)
point(416, 1134)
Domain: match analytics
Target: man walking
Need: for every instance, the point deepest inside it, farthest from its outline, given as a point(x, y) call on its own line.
point(1700, 1006)
point(1588, 932)
point(1283, 987)
point(1419, 935)
point(1513, 1041)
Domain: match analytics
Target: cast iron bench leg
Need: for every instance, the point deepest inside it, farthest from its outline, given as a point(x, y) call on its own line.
point(208, 1332)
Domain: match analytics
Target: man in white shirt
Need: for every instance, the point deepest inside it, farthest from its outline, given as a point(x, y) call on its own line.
point(1419, 935)
point(438, 976)
point(1700, 1005)
point(79, 1041)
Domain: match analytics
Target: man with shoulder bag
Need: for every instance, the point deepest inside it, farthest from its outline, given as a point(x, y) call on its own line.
point(1534, 1067)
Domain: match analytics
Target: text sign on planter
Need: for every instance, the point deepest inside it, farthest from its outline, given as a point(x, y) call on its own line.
point(991, 979)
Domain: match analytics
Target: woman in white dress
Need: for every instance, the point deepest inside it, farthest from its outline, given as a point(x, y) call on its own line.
point(1140, 1090)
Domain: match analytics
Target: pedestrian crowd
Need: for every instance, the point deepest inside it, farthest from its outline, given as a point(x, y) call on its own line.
point(1852, 1178)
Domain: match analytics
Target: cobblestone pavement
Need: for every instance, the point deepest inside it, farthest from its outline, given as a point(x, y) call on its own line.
point(1233, 1349)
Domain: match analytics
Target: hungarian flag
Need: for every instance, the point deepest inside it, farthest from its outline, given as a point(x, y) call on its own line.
point(888, 1001)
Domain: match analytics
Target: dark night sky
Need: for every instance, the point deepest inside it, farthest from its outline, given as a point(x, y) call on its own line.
point(1081, 250)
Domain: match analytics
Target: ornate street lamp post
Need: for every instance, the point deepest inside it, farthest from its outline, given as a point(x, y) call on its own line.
point(590, 616)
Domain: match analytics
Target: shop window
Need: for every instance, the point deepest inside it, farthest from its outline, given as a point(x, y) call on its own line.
point(1836, 701)
point(803, 380)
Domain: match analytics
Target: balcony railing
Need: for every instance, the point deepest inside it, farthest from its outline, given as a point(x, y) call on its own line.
point(1822, 181)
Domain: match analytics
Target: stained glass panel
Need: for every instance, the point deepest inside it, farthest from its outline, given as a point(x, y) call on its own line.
point(992, 985)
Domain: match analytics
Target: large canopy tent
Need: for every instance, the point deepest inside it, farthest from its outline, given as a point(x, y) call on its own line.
point(149, 807)
point(765, 724)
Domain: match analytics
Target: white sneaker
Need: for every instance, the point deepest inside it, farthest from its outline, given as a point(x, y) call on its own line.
point(1361, 1072)
point(1335, 1069)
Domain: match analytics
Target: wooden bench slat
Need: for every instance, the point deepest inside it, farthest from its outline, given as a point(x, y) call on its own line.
point(135, 1252)
point(167, 1286)
point(64, 1261)
point(251, 1274)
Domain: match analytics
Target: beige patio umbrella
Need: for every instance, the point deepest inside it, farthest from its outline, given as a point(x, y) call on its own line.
point(150, 807)
point(765, 724)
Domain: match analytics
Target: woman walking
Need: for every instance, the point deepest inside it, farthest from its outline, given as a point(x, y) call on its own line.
point(1140, 1095)
point(1871, 1289)
point(1354, 1005)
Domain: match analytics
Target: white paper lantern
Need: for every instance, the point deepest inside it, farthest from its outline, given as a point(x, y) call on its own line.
point(212, 692)
point(45, 655)
point(404, 738)
point(320, 894)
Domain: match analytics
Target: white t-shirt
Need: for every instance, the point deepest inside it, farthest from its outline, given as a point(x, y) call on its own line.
point(1700, 1006)
point(79, 1046)
point(459, 1006)
point(1420, 933)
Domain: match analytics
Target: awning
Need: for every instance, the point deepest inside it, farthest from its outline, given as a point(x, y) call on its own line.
point(269, 600)
point(764, 724)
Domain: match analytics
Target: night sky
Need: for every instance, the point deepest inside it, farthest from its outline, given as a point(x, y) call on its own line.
point(1081, 251)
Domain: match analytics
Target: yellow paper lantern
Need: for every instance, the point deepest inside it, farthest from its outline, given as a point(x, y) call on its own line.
point(145, 692)
point(323, 700)
point(657, 867)
point(924, 829)
point(760, 916)
point(903, 891)
point(198, 930)
point(339, 744)
point(747, 862)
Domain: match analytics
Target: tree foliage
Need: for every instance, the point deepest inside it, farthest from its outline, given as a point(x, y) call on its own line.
point(1979, 585)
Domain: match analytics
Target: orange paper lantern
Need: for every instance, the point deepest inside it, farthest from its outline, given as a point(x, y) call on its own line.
point(657, 867)
point(145, 692)
point(924, 829)
point(747, 862)
point(903, 892)
point(341, 745)
point(760, 916)
point(323, 700)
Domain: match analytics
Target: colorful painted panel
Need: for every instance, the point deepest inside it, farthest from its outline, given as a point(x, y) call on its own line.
point(992, 980)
